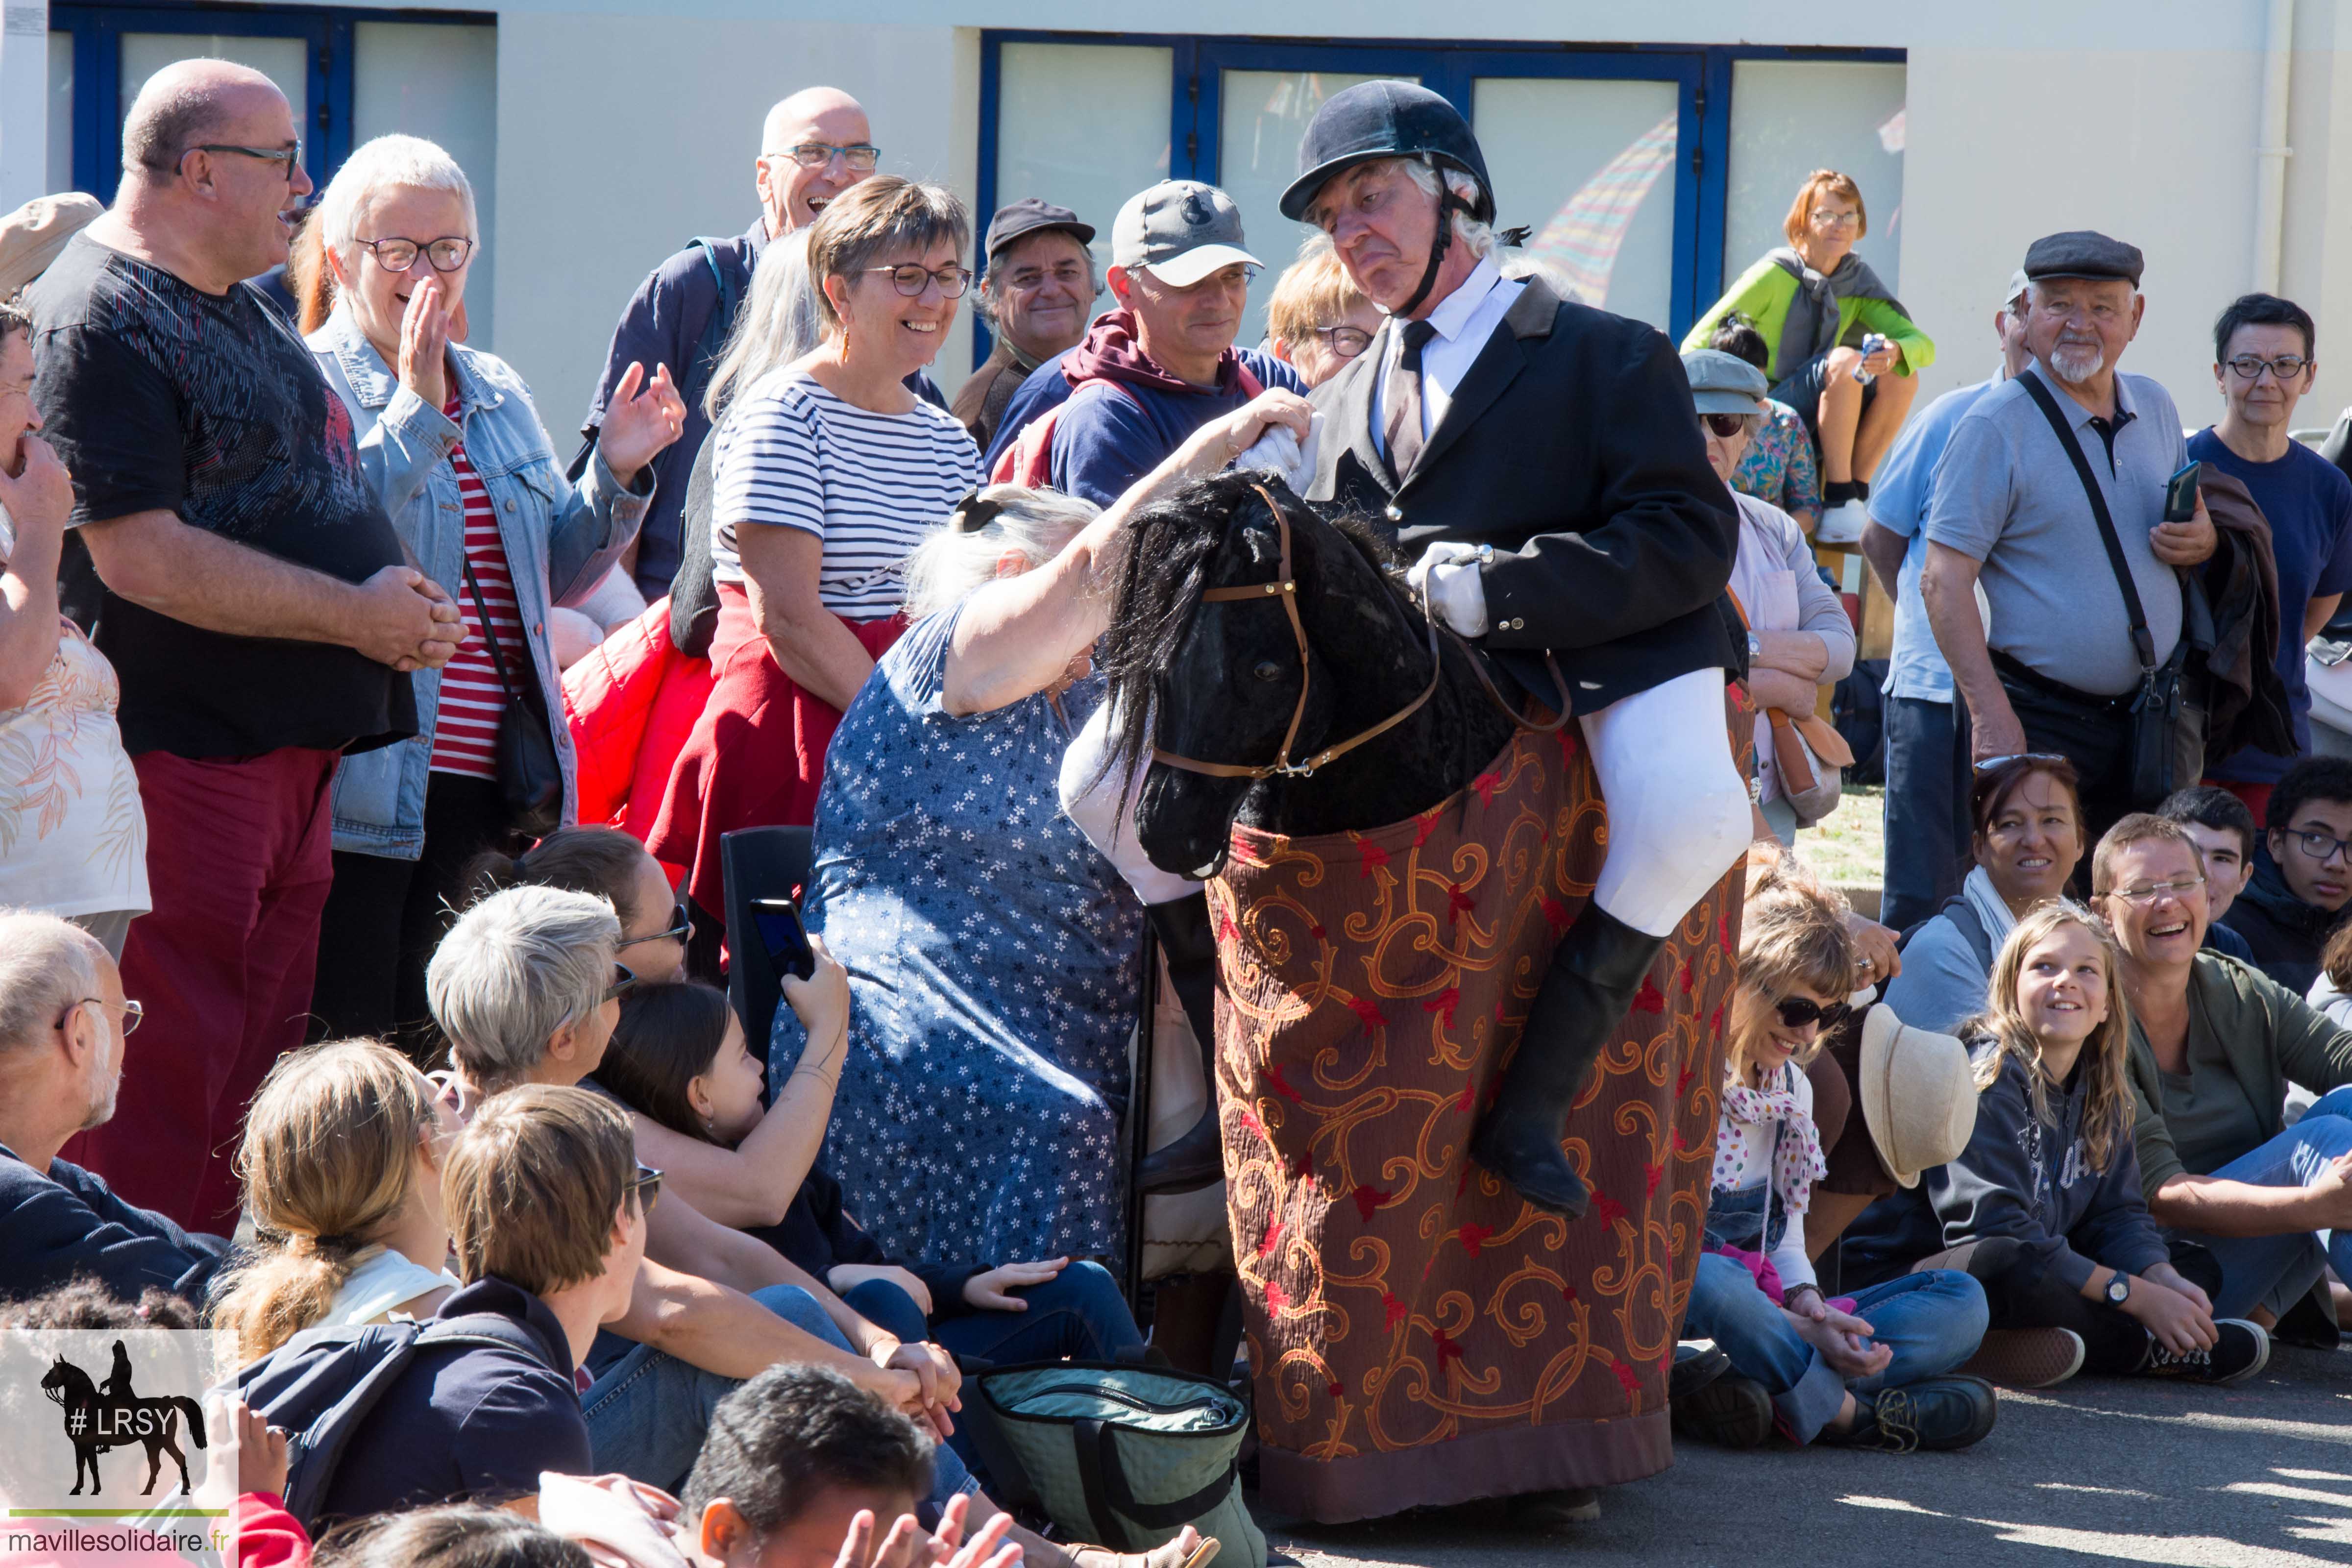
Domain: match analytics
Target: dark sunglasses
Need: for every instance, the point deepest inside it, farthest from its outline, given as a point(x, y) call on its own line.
point(624, 978)
point(1726, 426)
point(647, 1188)
point(1796, 1011)
point(681, 928)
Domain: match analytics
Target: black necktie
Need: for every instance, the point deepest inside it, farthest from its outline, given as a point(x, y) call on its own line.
point(1402, 429)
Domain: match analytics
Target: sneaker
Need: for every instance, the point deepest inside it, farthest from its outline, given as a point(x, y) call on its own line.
point(1936, 1414)
point(2027, 1358)
point(1733, 1411)
point(1696, 1366)
point(1842, 524)
point(2241, 1350)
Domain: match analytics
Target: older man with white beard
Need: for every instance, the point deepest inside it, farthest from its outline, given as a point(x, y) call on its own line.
point(2075, 640)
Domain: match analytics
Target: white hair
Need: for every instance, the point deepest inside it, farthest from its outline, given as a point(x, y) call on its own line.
point(778, 322)
point(1478, 236)
point(517, 967)
point(47, 965)
point(389, 163)
point(949, 567)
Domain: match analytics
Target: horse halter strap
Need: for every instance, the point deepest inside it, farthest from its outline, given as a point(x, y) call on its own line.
point(1285, 585)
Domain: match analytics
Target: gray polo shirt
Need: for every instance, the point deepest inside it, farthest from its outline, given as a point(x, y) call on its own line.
point(2007, 496)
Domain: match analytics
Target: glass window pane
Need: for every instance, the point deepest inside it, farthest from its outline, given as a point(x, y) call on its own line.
point(284, 61)
point(440, 82)
point(1265, 114)
point(1084, 126)
point(1792, 116)
point(60, 170)
point(1590, 166)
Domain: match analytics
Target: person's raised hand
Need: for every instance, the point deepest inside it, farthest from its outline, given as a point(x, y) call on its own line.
point(905, 1546)
point(2166, 1275)
point(397, 620)
point(820, 1002)
point(261, 1461)
point(640, 418)
point(425, 345)
point(38, 497)
point(986, 1291)
point(2179, 1324)
point(2186, 544)
point(986, 1549)
point(1220, 441)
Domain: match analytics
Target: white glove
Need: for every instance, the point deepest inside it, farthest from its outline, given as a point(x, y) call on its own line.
point(1284, 453)
point(1448, 575)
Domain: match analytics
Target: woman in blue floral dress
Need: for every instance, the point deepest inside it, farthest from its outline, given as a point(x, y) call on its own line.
point(994, 957)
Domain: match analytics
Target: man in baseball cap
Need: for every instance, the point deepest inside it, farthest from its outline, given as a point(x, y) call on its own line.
point(1156, 369)
point(1036, 285)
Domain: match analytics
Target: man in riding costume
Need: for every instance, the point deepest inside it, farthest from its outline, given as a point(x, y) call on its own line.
point(1539, 459)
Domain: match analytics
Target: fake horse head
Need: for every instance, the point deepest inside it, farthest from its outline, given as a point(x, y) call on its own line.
point(1269, 665)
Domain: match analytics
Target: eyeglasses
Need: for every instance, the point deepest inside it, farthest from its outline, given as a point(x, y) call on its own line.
point(681, 928)
point(2285, 368)
point(861, 156)
point(1345, 342)
point(1992, 763)
point(2321, 846)
point(1796, 1011)
point(1823, 218)
point(1726, 426)
point(445, 255)
point(646, 1189)
point(288, 156)
point(132, 1013)
point(911, 279)
point(623, 977)
point(2179, 888)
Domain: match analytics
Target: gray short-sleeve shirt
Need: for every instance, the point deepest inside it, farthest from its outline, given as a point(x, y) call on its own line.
point(2007, 495)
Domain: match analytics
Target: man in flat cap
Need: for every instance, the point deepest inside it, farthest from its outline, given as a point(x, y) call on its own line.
point(2052, 495)
point(1036, 290)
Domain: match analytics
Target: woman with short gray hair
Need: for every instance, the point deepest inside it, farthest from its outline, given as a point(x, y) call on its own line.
point(993, 955)
point(526, 989)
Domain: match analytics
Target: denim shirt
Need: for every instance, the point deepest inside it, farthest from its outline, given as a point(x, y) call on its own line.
point(560, 541)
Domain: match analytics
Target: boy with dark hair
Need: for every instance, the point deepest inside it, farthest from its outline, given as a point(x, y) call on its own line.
point(800, 1460)
point(547, 1218)
point(2302, 872)
point(2224, 831)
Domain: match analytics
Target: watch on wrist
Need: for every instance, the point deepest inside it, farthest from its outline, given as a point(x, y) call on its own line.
point(2118, 1288)
point(1755, 647)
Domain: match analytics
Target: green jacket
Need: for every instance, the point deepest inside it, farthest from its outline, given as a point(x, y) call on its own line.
point(1766, 290)
point(2267, 1034)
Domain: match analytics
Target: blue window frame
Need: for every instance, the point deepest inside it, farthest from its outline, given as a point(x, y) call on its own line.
point(98, 28)
point(1702, 79)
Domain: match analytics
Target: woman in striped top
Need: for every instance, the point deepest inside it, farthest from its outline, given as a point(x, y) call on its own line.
point(826, 471)
point(449, 438)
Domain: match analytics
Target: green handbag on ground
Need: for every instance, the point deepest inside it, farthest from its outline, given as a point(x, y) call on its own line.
point(1122, 1455)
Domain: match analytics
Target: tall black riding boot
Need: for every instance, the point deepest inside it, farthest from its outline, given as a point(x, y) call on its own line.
point(1594, 974)
point(1190, 945)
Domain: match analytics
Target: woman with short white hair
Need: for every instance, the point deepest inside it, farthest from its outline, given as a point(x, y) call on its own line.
point(449, 438)
point(993, 955)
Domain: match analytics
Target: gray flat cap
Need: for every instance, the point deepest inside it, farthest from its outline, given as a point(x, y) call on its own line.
point(2083, 252)
point(1724, 384)
point(32, 236)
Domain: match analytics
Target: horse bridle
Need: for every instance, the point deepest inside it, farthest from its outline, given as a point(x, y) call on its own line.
point(1286, 586)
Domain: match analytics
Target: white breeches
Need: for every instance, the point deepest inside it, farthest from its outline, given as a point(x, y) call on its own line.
point(1678, 810)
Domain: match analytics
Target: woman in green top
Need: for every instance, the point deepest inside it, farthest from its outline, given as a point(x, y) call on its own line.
point(1815, 303)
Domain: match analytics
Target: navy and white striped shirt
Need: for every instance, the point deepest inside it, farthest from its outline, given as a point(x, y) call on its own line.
point(792, 455)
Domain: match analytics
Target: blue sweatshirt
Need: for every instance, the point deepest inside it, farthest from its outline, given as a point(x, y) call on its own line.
point(69, 1223)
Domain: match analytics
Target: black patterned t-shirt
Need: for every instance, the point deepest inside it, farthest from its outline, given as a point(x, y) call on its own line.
point(159, 396)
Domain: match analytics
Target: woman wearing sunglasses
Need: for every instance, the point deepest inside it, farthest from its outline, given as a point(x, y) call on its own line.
point(2028, 841)
point(1798, 633)
point(1869, 1372)
point(449, 441)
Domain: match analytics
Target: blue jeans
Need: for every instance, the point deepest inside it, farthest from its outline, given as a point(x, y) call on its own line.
point(1078, 1315)
point(649, 1412)
point(1932, 1322)
point(2275, 1271)
point(1927, 829)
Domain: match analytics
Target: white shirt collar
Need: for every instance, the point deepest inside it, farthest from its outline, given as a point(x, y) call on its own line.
point(1454, 312)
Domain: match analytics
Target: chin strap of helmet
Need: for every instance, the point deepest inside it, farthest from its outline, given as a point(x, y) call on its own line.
point(1448, 204)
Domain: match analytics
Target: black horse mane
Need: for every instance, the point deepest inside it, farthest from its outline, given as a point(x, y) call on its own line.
point(1169, 548)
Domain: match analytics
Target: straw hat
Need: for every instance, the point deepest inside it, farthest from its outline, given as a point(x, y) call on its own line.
point(1918, 1096)
point(31, 236)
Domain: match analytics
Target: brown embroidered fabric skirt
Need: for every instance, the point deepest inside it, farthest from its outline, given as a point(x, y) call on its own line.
point(1420, 1335)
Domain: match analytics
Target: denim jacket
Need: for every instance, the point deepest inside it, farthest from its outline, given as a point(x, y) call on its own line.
point(560, 541)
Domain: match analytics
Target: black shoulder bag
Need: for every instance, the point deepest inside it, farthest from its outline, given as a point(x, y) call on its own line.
point(529, 775)
point(2167, 731)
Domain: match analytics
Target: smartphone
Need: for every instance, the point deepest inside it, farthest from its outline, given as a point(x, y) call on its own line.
point(2180, 493)
point(784, 937)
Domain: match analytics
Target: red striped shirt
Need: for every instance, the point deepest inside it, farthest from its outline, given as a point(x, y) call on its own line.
point(466, 730)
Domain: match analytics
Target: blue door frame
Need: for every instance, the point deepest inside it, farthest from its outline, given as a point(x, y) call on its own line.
point(1702, 77)
point(98, 26)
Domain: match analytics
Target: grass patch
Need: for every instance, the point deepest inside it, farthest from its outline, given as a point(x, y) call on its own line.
point(1848, 847)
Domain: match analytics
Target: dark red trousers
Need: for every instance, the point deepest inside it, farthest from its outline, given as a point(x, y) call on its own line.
point(238, 863)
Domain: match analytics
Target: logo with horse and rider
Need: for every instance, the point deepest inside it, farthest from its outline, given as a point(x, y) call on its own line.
point(112, 1458)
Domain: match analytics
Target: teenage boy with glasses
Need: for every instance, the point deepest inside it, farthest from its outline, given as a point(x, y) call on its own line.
point(2302, 872)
